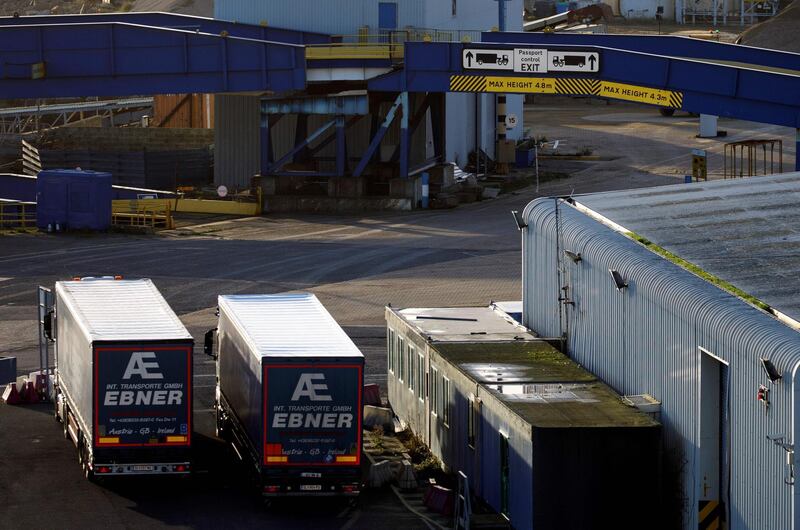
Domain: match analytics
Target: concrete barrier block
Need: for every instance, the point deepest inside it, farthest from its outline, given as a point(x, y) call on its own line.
point(378, 417)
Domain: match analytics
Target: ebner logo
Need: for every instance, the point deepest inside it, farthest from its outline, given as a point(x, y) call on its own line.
point(312, 387)
point(143, 365)
point(306, 387)
point(138, 366)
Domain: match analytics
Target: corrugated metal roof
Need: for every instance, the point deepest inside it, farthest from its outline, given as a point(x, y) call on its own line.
point(121, 310)
point(288, 325)
point(743, 231)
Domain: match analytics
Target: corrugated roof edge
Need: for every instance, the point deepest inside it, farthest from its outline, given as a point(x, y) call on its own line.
point(62, 288)
point(688, 266)
point(696, 296)
point(223, 298)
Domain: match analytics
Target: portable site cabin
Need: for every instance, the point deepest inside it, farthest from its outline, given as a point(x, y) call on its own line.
point(542, 440)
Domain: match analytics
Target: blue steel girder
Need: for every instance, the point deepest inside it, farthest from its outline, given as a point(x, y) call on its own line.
point(706, 87)
point(350, 104)
point(297, 148)
point(178, 21)
point(117, 59)
point(667, 45)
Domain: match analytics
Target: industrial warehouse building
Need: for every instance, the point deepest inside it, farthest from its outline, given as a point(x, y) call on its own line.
point(469, 119)
point(688, 293)
point(542, 440)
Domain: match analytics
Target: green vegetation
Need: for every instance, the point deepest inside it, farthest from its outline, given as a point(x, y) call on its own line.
point(376, 438)
point(694, 269)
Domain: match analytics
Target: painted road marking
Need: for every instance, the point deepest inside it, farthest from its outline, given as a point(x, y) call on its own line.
point(567, 86)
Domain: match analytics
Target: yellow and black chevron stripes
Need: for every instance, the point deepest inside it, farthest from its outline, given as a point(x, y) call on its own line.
point(467, 83)
point(709, 516)
point(569, 86)
point(676, 100)
point(589, 87)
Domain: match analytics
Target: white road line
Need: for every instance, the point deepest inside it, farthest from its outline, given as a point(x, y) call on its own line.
point(319, 232)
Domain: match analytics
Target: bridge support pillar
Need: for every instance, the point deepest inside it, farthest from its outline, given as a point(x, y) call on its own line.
point(341, 147)
point(266, 143)
point(797, 150)
point(404, 134)
point(708, 126)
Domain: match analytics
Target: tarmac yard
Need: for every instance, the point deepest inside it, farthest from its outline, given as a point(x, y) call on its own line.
point(355, 265)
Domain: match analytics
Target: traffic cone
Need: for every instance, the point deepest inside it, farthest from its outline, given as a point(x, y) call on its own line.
point(29, 394)
point(10, 395)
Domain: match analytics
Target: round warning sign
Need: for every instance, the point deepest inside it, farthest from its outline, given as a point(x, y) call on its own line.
point(222, 191)
point(511, 121)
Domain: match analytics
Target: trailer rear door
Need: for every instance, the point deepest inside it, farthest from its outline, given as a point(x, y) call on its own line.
point(312, 414)
point(143, 395)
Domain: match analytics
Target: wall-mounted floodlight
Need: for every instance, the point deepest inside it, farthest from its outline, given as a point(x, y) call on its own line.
point(772, 372)
point(574, 256)
point(619, 281)
point(519, 220)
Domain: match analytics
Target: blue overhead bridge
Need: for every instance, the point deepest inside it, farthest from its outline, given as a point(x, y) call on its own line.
point(667, 45)
point(99, 55)
point(748, 92)
point(157, 53)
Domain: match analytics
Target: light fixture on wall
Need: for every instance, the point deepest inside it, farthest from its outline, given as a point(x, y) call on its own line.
point(574, 256)
point(619, 281)
point(772, 373)
point(519, 220)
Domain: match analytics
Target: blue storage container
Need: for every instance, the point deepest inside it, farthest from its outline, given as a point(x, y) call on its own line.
point(73, 199)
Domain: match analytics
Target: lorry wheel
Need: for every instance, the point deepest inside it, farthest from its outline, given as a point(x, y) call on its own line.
point(666, 111)
point(81, 449)
point(88, 473)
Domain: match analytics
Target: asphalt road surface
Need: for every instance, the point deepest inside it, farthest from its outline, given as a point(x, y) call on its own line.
point(356, 265)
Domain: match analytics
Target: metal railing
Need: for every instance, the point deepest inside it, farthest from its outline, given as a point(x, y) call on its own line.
point(16, 216)
point(150, 213)
point(742, 158)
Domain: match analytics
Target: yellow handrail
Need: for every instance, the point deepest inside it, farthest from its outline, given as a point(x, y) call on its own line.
point(354, 50)
point(16, 216)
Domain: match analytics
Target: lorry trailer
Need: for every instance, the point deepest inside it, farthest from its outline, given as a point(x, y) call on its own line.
point(288, 395)
point(122, 380)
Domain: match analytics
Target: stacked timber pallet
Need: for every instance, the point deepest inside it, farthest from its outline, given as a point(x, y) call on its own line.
point(139, 157)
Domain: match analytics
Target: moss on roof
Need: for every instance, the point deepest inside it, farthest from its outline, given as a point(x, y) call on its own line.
point(694, 269)
point(538, 363)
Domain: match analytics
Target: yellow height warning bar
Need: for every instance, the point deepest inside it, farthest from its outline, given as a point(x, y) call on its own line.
point(566, 86)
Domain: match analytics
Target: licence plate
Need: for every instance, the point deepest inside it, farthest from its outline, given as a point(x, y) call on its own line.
point(142, 468)
point(310, 487)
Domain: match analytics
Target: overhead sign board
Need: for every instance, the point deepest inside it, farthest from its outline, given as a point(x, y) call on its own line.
point(530, 60)
point(568, 86)
point(562, 61)
point(485, 59)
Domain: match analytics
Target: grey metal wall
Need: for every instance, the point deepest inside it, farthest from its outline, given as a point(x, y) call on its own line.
point(646, 339)
point(236, 140)
point(340, 17)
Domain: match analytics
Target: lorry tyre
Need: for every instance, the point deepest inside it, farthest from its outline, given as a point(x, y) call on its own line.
point(666, 111)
